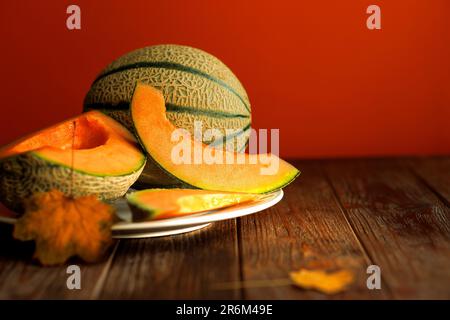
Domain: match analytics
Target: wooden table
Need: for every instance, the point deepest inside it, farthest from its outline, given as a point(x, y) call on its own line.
point(338, 214)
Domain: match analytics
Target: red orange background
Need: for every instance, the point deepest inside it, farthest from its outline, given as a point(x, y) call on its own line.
point(311, 68)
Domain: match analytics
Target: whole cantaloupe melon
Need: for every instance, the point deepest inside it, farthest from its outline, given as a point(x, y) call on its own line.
point(195, 85)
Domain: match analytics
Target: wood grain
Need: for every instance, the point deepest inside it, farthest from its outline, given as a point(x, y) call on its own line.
point(338, 214)
point(401, 223)
point(307, 229)
point(22, 278)
point(176, 267)
point(435, 172)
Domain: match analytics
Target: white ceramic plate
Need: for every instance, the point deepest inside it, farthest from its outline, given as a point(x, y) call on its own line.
point(127, 229)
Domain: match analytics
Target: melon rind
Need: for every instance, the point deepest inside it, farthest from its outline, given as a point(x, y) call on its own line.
point(25, 174)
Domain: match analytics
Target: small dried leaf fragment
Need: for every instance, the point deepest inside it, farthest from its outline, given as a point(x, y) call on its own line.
point(326, 282)
point(63, 227)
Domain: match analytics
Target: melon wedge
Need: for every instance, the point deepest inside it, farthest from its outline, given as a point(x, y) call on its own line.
point(89, 154)
point(154, 204)
point(154, 131)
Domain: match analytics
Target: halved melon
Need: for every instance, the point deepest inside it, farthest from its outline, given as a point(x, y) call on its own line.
point(167, 203)
point(89, 154)
point(247, 173)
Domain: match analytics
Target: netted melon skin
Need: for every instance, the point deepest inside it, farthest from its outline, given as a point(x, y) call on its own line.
point(181, 55)
point(216, 98)
point(25, 174)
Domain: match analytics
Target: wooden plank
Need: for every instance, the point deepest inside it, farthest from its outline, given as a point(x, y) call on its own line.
point(385, 214)
point(21, 278)
point(435, 172)
point(306, 229)
point(401, 223)
point(176, 267)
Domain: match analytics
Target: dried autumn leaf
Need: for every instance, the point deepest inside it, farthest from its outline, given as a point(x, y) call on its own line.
point(329, 283)
point(63, 227)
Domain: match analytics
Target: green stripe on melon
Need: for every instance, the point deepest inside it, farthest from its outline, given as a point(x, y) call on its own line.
point(177, 67)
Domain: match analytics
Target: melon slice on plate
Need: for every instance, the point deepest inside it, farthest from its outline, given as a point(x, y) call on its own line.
point(89, 154)
point(154, 204)
point(155, 131)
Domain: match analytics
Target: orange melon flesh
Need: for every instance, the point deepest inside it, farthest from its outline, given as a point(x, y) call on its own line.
point(168, 203)
point(91, 143)
point(154, 131)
